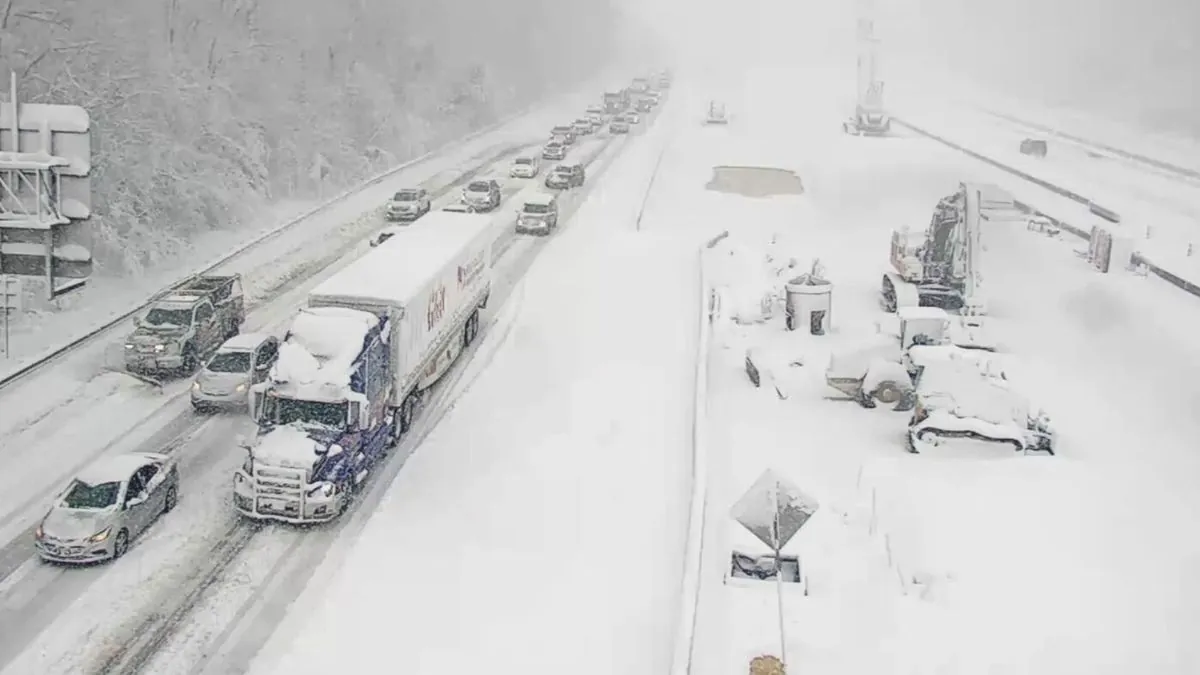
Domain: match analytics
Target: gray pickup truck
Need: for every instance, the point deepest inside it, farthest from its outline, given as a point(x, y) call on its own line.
point(186, 324)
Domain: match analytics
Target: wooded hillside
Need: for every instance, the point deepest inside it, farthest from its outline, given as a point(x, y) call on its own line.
point(204, 112)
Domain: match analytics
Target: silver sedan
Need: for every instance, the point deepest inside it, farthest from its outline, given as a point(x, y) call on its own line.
point(107, 506)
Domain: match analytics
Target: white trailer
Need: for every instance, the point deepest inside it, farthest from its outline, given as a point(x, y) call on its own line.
point(429, 282)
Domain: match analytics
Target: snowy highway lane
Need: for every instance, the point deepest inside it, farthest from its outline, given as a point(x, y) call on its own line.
point(49, 613)
point(967, 564)
point(66, 414)
point(541, 523)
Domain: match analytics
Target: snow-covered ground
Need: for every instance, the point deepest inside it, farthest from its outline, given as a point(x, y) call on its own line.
point(1081, 562)
point(542, 522)
point(49, 614)
point(1158, 210)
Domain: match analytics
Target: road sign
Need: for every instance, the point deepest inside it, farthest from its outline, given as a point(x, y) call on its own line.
point(774, 510)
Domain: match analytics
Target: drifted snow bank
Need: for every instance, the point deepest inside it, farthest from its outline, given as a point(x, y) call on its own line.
point(320, 349)
point(751, 278)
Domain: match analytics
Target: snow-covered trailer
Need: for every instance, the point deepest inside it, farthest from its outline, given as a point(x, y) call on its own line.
point(354, 363)
point(429, 284)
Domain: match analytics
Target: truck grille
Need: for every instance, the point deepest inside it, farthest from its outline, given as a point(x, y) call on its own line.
point(279, 491)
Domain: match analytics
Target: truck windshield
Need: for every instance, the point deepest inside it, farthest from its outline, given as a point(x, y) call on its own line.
point(168, 317)
point(289, 411)
point(230, 362)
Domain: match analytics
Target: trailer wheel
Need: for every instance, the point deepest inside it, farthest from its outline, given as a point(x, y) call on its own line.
point(408, 410)
point(471, 328)
point(888, 392)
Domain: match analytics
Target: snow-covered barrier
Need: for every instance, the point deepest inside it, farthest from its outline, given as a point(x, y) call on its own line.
point(1139, 257)
point(710, 309)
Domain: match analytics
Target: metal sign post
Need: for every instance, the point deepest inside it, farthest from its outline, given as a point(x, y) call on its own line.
point(10, 302)
point(774, 510)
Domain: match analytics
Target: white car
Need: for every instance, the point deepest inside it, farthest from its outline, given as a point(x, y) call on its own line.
point(243, 361)
point(526, 166)
point(107, 505)
point(409, 204)
point(582, 127)
point(554, 150)
point(539, 215)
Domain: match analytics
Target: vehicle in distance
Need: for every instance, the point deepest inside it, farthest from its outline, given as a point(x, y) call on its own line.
point(408, 205)
point(596, 120)
point(618, 125)
point(554, 150)
point(565, 176)
point(459, 207)
point(225, 380)
point(716, 113)
point(564, 133)
point(632, 117)
point(582, 126)
point(525, 166)
point(539, 215)
point(483, 194)
point(106, 506)
point(186, 324)
point(595, 109)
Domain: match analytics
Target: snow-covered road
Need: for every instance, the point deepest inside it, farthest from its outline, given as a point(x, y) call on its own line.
point(542, 522)
point(1081, 562)
point(49, 614)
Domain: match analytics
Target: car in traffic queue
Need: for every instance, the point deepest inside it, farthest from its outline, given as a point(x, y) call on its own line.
point(106, 507)
point(525, 166)
point(539, 214)
point(565, 133)
point(565, 176)
point(239, 363)
point(554, 150)
point(483, 194)
point(408, 205)
point(582, 126)
point(618, 125)
point(632, 117)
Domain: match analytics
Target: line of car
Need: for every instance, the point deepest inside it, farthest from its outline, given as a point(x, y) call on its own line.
point(115, 499)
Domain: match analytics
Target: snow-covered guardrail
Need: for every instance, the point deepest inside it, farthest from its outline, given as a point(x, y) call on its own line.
point(685, 639)
point(118, 318)
point(1139, 258)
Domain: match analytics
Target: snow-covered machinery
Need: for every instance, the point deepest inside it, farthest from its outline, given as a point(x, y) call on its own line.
point(869, 118)
point(960, 400)
point(716, 113)
point(355, 364)
point(940, 267)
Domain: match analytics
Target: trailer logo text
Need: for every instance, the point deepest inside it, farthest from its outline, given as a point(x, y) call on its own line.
point(437, 307)
point(471, 271)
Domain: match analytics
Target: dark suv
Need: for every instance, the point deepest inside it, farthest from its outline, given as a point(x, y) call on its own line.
point(565, 176)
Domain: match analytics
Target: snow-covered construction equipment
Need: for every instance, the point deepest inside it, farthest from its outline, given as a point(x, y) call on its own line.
point(959, 400)
point(869, 117)
point(940, 267)
point(356, 362)
point(887, 369)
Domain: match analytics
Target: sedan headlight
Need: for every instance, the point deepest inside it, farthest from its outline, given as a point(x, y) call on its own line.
point(160, 348)
point(240, 388)
point(100, 536)
point(39, 532)
point(196, 385)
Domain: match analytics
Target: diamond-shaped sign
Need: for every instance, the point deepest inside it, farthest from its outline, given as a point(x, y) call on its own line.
point(774, 510)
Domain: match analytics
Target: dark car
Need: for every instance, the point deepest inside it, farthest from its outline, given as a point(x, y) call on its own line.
point(565, 176)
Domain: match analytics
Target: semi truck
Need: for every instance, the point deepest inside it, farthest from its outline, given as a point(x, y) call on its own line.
point(355, 364)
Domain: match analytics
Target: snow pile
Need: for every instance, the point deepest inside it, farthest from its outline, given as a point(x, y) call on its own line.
point(287, 447)
point(751, 279)
point(319, 352)
point(964, 391)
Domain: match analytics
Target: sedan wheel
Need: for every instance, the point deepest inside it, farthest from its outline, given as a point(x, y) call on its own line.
point(171, 499)
point(120, 544)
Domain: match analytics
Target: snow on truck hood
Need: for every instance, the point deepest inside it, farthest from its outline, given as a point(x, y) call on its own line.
point(287, 446)
point(320, 349)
